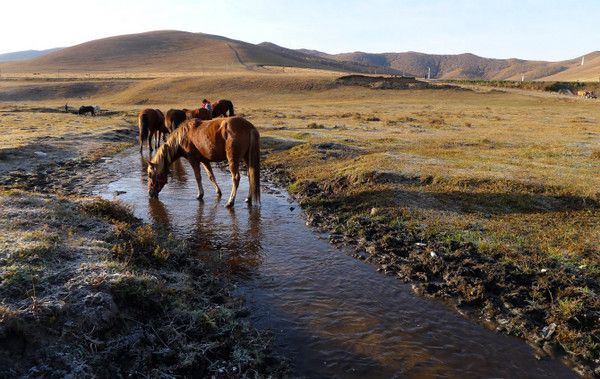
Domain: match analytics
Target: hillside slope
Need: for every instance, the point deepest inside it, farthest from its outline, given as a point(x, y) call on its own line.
point(589, 71)
point(166, 51)
point(171, 51)
point(461, 66)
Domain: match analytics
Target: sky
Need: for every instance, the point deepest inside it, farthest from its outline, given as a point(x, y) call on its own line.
point(528, 29)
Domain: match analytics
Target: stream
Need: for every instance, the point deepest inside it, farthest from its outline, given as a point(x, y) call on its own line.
point(330, 314)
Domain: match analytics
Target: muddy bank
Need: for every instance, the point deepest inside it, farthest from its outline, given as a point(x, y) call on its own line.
point(555, 307)
point(89, 290)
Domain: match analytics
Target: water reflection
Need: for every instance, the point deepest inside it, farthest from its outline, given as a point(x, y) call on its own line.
point(159, 214)
point(178, 172)
point(227, 241)
point(331, 314)
point(143, 166)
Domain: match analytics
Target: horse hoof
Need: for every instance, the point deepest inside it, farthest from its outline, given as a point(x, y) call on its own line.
point(200, 197)
point(248, 201)
point(228, 205)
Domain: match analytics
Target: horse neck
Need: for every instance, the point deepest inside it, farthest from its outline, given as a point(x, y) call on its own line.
point(173, 149)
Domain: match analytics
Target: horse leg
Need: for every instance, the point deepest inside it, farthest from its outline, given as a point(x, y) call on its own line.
point(234, 167)
point(246, 159)
point(211, 176)
point(150, 141)
point(196, 168)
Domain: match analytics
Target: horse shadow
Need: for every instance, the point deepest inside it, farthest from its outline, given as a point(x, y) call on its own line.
point(228, 242)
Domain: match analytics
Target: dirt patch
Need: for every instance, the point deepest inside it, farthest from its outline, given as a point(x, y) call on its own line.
point(381, 82)
point(329, 150)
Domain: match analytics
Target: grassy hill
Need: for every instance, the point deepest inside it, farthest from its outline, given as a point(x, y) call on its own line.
point(183, 52)
point(167, 51)
point(590, 71)
point(468, 66)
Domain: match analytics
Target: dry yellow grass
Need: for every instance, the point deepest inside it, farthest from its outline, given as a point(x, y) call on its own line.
point(508, 170)
point(513, 174)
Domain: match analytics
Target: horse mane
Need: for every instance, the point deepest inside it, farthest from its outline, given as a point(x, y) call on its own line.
point(165, 153)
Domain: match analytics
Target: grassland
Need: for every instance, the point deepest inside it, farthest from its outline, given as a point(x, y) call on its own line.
point(86, 288)
point(486, 198)
point(501, 186)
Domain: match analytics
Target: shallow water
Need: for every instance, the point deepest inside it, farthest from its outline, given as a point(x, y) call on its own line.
point(333, 315)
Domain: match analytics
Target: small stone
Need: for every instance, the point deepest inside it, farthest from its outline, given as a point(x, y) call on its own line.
point(433, 254)
point(548, 331)
point(544, 270)
point(374, 211)
point(420, 244)
point(362, 255)
point(40, 153)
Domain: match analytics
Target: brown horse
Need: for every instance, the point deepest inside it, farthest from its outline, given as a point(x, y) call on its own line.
point(174, 118)
point(201, 113)
point(221, 107)
point(150, 124)
point(202, 142)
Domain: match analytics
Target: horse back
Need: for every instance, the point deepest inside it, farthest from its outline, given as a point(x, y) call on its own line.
point(153, 118)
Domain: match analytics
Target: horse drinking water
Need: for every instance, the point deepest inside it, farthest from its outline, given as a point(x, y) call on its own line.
point(202, 142)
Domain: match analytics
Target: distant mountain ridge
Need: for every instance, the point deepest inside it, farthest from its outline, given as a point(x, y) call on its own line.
point(469, 66)
point(26, 54)
point(169, 51)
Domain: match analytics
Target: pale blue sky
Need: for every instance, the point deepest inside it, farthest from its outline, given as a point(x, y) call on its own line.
point(529, 29)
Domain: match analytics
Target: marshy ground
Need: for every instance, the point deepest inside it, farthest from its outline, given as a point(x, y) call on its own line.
point(484, 198)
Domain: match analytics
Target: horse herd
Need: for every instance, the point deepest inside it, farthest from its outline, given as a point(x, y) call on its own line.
point(153, 124)
point(201, 139)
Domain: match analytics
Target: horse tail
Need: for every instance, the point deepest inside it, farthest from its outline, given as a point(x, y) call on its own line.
point(254, 166)
point(143, 128)
point(231, 113)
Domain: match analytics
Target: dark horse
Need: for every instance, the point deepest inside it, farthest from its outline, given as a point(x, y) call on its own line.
point(173, 118)
point(202, 142)
point(151, 123)
point(201, 113)
point(221, 107)
point(86, 109)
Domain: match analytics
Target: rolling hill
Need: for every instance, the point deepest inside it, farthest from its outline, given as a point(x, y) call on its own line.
point(177, 51)
point(167, 51)
point(470, 66)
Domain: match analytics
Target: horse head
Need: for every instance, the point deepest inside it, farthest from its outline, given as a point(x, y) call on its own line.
point(156, 179)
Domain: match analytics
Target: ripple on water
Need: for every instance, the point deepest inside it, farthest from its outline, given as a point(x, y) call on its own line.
point(333, 315)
